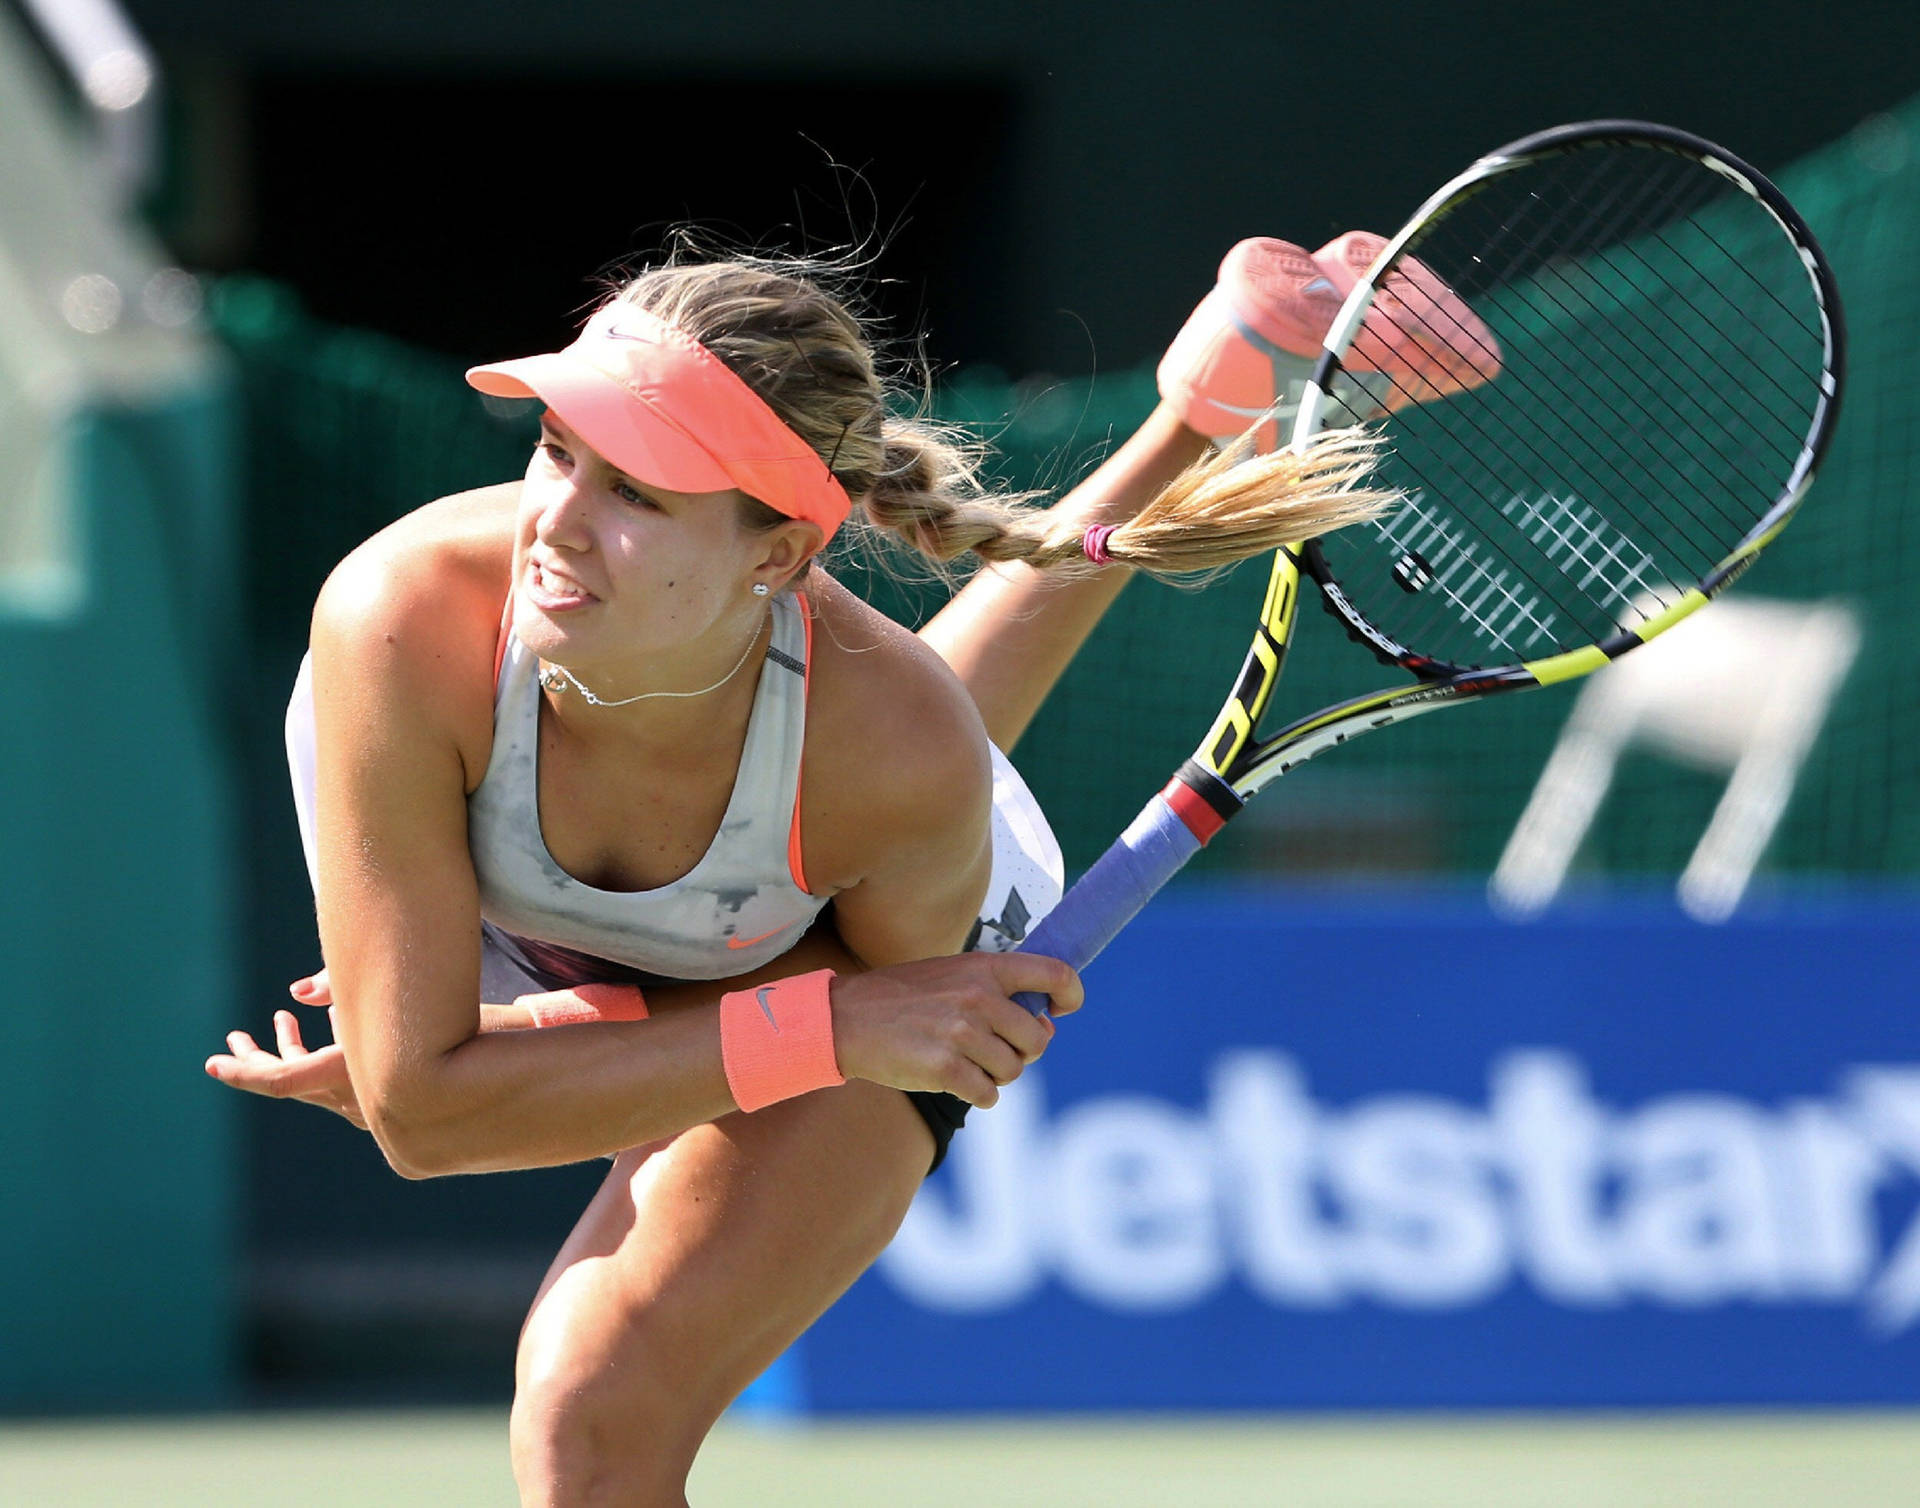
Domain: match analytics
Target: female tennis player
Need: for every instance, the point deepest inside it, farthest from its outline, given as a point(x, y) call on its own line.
point(595, 751)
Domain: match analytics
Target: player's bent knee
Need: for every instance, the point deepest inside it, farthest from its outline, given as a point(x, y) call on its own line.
point(586, 1436)
point(569, 1456)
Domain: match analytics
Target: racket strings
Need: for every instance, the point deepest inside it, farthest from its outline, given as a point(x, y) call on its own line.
point(1673, 209)
point(1442, 551)
point(1648, 412)
point(1653, 210)
point(1655, 412)
point(1646, 215)
point(1572, 538)
point(1788, 428)
point(1656, 382)
point(1696, 224)
point(1482, 593)
point(1479, 591)
point(1541, 524)
point(1688, 416)
point(1569, 537)
point(1813, 327)
point(1759, 330)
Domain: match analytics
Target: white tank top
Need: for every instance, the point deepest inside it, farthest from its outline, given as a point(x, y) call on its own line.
point(1027, 869)
point(742, 905)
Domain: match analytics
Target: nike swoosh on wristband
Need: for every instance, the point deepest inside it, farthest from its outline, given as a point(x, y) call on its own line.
point(748, 942)
point(765, 1009)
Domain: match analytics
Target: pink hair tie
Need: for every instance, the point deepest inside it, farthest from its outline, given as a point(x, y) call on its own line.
point(1094, 543)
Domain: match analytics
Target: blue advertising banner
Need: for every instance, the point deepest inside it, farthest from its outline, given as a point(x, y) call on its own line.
point(1303, 1154)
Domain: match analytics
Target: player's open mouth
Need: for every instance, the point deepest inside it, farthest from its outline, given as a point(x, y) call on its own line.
point(554, 592)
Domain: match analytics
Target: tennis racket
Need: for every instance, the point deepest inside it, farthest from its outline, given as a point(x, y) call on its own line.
point(1605, 362)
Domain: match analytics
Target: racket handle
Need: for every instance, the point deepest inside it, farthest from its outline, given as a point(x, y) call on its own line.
point(1108, 896)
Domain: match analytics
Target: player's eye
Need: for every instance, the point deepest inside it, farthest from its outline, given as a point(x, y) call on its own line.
point(628, 493)
point(554, 453)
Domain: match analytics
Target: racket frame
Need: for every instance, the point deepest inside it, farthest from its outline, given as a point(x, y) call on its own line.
point(1233, 761)
point(1250, 762)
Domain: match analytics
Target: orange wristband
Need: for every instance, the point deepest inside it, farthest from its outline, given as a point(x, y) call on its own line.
point(586, 1002)
point(776, 1040)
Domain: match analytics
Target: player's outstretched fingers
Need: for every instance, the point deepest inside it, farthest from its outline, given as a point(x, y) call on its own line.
point(249, 1066)
point(315, 989)
point(286, 1031)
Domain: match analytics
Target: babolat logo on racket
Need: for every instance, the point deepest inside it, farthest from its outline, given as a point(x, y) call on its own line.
point(1331, 591)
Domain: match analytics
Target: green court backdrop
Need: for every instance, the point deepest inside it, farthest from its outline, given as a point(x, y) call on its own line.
point(119, 930)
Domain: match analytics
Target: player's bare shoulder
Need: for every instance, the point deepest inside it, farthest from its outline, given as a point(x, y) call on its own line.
point(411, 616)
point(457, 544)
point(894, 742)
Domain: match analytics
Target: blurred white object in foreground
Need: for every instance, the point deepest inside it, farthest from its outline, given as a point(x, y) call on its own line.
point(115, 74)
point(1742, 686)
point(91, 315)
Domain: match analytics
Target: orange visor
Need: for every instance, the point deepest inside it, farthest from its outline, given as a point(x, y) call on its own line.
point(664, 409)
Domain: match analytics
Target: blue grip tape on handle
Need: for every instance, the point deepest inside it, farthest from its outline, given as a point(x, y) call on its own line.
point(1109, 895)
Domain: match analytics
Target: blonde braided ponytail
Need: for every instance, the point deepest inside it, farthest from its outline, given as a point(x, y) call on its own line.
point(775, 323)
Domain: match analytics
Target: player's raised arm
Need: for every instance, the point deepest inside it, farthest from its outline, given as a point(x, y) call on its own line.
point(1546, 509)
point(1011, 631)
point(1162, 502)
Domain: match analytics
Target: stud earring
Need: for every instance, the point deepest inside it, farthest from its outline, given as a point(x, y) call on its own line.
point(760, 589)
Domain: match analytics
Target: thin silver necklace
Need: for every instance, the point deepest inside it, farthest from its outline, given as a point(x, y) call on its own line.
point(556, 678)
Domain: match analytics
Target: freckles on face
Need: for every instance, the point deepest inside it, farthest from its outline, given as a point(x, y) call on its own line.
point(662, 564)
point(674, 565)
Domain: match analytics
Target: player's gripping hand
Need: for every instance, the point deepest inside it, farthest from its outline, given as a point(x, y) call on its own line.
point(949, 1024)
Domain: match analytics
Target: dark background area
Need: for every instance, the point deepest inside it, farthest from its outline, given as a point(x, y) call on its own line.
point(1049, 186)
point(437, 209)
point(1041, 188)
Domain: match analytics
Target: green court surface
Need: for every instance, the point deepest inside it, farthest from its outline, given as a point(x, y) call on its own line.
point(427, 1459)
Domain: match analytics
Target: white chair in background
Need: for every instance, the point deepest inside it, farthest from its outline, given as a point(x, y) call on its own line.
point(1744, 687)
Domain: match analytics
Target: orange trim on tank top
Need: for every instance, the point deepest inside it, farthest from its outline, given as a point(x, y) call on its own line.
point(806, 686)
point(500, 644)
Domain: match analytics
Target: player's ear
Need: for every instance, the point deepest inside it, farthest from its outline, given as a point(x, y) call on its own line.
point(785, 549)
